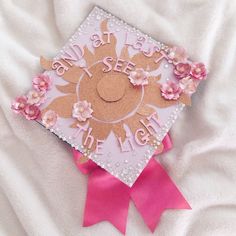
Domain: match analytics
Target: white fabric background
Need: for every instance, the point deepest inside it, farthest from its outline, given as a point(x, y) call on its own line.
point(41, 191)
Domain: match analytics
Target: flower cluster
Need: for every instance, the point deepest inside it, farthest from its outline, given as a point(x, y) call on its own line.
point(188, 75)
point(196, 71)
point(28, 105)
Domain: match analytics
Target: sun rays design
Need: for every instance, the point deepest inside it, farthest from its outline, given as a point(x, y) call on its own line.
point(115, 101)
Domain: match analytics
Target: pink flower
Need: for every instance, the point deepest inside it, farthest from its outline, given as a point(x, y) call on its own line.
point(82, 110)
point(42, 82)
point(138, 77)
point(36, 97)
point(170, 90)
point(49, 119)
point(198, 71)
point(188, 85)
point(19, 104)
point(182, 70)
point(177, 54)
point(31, 112)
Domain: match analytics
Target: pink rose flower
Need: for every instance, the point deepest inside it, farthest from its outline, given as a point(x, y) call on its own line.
point(182, 70)
point(188, 85)
point(42, 82)
point(49, 119)
point(177, 54)
point(170, 90)
point(82, 110)
point(19, 104)
point(36, 97)
point(139, 77)
point(198, 71)
point(31, 112)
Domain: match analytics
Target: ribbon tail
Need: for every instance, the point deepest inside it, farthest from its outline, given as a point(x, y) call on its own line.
point(154, 192)
point(107, 200)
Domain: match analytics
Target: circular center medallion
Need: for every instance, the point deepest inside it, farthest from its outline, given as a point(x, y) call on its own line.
point(111, 88)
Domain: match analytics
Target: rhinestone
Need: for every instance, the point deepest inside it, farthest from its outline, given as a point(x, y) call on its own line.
point(98, 17)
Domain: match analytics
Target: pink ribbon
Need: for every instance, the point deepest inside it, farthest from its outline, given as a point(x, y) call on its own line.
point(108, 198)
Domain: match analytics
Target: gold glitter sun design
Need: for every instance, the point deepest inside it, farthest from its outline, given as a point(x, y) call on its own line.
point(114, 100)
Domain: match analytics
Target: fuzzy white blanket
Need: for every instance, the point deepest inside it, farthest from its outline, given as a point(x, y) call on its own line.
point(41, 191)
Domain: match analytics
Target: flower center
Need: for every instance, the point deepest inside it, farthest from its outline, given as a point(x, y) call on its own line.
point(21, 105)
point(34, 95)
point(81, 109)
point(138, 75)
point(198, 70)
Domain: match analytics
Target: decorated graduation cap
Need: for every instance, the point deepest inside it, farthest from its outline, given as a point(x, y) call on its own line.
point(113, 93)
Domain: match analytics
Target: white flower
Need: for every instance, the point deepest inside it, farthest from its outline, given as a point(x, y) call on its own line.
point(36, 97)
point(82, 110)
point(139, 77)
point(49, 119)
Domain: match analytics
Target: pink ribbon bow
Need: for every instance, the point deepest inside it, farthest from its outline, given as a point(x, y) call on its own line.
point(108, 198)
